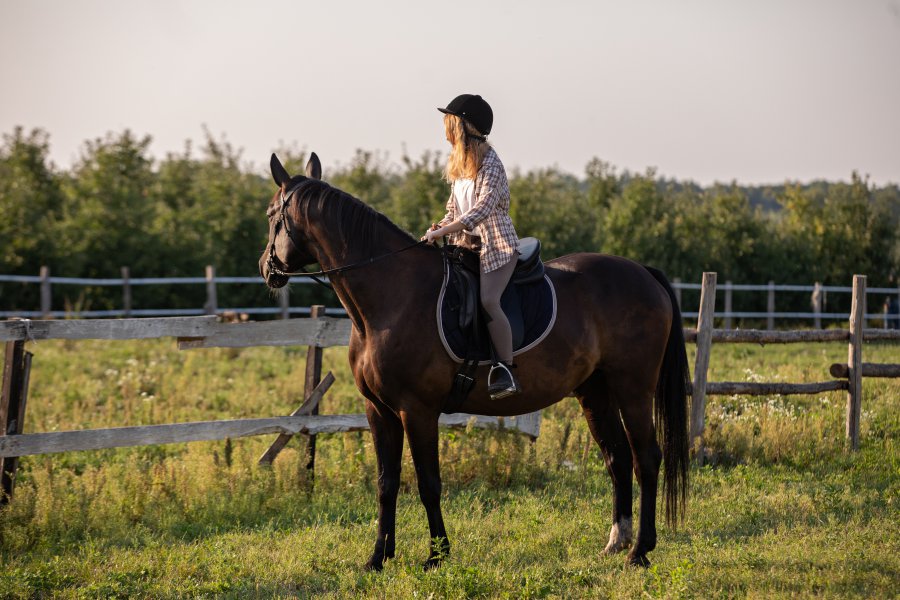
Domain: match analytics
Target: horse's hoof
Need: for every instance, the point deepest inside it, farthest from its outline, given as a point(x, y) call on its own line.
point(433, 562)
point(435, 559)
point(374, 564)
point(440, 549)
point(638, 560)
point(619, 537)
point(615, 546)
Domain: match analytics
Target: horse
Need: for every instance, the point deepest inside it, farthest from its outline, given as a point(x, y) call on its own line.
point(617, 345)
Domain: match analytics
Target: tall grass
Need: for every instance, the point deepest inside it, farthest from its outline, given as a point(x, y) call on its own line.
point(782, 510)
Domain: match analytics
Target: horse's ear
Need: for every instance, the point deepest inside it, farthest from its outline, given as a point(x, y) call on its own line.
point(279, 174)
point(314, 167)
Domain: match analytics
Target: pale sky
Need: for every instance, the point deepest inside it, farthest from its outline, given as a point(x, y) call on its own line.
point(758, 91)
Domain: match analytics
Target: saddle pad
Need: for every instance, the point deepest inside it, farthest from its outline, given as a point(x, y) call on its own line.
point(538, 301)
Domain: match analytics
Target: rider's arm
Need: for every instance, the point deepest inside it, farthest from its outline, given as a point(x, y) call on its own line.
point(450, 228)
point(434, 234)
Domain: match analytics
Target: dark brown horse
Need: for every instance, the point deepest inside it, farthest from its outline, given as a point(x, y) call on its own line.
point(616, 345)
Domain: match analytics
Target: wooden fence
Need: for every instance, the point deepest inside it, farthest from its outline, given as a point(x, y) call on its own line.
point(192, 332)
point(321, 332)
point(850, 374)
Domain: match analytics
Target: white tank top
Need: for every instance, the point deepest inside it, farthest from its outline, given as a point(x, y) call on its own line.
point(464, 193)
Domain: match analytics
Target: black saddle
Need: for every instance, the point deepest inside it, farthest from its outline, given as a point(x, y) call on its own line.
point(465, 279)
point(529, 303)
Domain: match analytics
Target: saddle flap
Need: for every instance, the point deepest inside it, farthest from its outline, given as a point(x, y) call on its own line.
point(531, 310)
point(467, 289)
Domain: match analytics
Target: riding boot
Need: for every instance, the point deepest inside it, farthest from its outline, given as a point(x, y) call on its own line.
point(502, 382)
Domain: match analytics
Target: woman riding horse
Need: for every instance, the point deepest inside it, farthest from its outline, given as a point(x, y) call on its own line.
point(616, 345)
point(478, 218)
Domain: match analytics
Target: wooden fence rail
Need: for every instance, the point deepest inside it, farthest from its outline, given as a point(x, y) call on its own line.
point(148, 435)
point(321, 332)
point(192, 332)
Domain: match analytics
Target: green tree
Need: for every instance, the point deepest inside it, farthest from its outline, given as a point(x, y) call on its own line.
point(733, 235)
point(639, 223)
point(108, 208)
point(843, 229)
point(117, 206)
point(30, 201)
point(551, 206)
point(420, 193)
point(602, 185)
point(368, 178)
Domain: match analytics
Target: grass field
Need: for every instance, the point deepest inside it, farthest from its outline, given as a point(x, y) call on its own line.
point(784, 511)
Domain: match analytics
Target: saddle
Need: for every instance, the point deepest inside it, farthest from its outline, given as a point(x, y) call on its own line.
point(529, 302)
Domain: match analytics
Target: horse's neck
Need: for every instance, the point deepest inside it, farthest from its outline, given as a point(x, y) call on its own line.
point(335, 251)
point(368, 292)
point(380, 294)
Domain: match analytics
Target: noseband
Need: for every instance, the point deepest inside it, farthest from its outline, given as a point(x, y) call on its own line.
point(285, 223)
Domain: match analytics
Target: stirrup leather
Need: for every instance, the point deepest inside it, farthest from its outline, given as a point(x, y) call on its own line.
point(502, 382)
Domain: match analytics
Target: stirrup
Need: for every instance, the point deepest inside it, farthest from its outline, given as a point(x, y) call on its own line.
point(502, 382)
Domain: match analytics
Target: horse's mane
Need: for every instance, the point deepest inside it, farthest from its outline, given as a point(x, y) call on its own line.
point(350, 217)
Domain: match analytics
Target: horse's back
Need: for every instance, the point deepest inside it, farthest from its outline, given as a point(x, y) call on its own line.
point(605, 277)
point(614, 295)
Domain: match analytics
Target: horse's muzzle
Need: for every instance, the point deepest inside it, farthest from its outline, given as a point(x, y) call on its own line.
point(270, 276)
point(274, 281)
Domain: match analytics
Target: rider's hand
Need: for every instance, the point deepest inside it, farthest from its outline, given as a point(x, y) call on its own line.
point(431, 236)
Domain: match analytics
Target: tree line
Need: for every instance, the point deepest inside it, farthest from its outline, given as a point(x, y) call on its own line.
point(117, 205)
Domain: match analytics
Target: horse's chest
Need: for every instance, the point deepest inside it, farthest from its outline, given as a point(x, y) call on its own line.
point(383, 363)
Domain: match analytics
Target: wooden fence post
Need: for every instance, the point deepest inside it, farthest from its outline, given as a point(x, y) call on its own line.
point(728, 304)
point(46, 297)
point(16, 369)
point(212, 302)
point(817, 296)
point(770, 307)
point(676, 285)
point(284, 303)
point(126, 291)
point(701, 363)
point(313, 377)
point(897, 314)
point(306, 408)
point(854, 359)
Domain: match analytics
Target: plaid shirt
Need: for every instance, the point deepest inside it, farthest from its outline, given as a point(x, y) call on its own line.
point(489, 216)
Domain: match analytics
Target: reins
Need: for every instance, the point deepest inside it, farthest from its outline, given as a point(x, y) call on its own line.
point(283, 221)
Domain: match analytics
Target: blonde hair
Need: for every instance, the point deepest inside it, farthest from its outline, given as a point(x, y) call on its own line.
point(466, 155)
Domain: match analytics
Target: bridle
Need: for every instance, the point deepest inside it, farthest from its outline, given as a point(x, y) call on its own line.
point(285, 223)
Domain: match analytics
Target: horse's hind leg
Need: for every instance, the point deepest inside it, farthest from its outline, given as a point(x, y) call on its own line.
point(635, 400)
point(603, 420)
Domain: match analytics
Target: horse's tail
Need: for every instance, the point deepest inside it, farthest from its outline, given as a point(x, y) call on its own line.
point(671, 411)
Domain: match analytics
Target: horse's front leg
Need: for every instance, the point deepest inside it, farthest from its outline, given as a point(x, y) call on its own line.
point(422, 430)
point(387, 434)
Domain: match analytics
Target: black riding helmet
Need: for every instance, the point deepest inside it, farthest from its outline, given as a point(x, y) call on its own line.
point(473, 109)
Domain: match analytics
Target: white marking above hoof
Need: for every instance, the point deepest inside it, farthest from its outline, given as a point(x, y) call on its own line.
point(619, 536)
